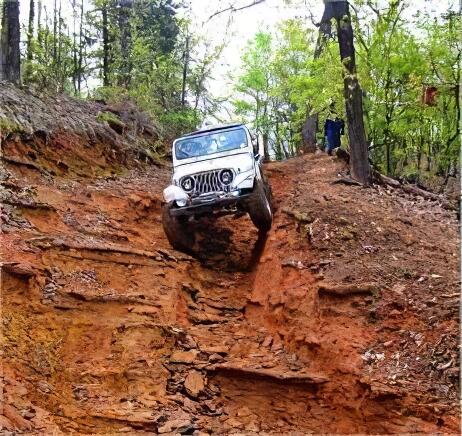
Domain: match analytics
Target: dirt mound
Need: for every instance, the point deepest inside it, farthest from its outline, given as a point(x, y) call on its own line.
point(342, 320)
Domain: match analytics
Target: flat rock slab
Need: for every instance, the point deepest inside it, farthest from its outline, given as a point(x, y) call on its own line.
point(176, 425)
point(194, 383)
point(184, 356)
point(276, 374)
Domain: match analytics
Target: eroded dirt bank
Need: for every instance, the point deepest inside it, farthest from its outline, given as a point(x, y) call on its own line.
point(343, 320)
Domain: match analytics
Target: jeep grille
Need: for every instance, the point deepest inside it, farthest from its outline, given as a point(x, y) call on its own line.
point(206, 182)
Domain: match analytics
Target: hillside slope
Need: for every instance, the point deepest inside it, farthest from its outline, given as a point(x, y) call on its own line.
point(343, 320)
point(59, 135)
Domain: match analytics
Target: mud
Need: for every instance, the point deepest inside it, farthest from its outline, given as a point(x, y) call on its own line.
point(107, 330)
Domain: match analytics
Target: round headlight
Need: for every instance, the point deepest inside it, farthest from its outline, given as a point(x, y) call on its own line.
point(187, 184)
point(226, 177)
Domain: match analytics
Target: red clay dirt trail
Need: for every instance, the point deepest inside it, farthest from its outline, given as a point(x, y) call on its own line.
point(343, 320)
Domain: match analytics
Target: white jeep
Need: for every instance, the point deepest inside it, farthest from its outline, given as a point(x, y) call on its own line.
point(216, 171)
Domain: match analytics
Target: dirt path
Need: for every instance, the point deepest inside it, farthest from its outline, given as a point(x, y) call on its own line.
point(342, 320)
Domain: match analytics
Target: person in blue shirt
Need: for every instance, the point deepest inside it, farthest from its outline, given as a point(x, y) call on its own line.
point(332, 131)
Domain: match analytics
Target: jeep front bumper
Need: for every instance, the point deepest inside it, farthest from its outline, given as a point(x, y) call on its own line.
point(207, 205)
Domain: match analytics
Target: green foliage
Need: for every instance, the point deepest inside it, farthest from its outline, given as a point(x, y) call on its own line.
point(157, 23)
point(140, 51)
point(111, 94)
point(266, 88)
point(120, 50)
point(408, 136)
point(256, 83)
point(164, 74)
point(319, 88)
point(281, 83)
point(180, 121)
point(52, 64)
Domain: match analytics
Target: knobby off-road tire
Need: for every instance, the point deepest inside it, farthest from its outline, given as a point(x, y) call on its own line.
point(260, 209)
point(176, 229)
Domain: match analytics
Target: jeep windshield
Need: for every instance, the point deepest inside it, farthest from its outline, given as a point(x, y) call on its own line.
point(210, 143)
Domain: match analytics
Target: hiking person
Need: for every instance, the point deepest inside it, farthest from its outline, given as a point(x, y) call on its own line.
point(332, 131)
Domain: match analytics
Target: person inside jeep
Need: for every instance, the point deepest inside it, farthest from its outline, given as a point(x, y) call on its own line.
point(211, 145)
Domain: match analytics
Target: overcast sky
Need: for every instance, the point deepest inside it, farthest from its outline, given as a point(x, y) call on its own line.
point(236, 28)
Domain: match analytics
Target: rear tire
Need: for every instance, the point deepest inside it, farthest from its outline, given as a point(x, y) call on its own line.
point(260, 209)
point(176, 229)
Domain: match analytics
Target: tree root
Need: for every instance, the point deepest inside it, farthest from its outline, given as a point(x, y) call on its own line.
point(346, 181)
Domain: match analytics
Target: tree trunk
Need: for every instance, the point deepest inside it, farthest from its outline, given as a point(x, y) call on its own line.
point(55, 32)
point(125, 40)
point(74, 51)
point(387, 141)
point(30, 30)
point(80, 59)
point(9, 42)
point(359, 161)
point(309, 129)
point(59, 67)
point(39, 23)
point(106, 81)
point(185, 72)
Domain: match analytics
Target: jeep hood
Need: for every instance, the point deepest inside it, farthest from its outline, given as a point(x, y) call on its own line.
point(240, 163)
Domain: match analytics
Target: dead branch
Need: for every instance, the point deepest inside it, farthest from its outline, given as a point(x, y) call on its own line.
point(410, 189)
point(414, 190)
point(345, 290)
point(232, 8)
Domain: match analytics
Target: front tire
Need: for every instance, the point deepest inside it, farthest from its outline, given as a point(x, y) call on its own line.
point(176, 229)
point(260, 209)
